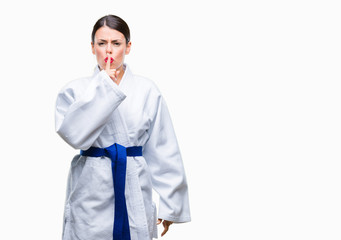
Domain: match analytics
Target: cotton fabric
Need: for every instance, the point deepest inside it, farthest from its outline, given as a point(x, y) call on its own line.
point(94, 111)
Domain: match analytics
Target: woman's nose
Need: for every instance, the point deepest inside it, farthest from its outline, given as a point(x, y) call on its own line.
point(109, 49)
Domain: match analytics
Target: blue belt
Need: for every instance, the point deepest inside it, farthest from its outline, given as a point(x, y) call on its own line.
point(118, 155)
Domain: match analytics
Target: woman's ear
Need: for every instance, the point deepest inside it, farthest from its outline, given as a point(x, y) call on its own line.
point(93, 48)
point(128, 48)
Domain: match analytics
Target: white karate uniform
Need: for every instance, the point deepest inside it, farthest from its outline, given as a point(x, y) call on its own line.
point(94, 111)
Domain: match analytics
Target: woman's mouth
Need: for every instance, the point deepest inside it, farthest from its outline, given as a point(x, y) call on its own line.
point(111, 59)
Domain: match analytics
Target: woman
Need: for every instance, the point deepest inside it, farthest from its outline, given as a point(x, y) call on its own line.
point(121, 124)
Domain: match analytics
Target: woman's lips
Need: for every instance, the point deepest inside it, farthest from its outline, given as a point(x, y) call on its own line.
point(111, 59)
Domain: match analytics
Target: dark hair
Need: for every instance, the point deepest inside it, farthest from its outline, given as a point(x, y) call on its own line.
point(113, 22)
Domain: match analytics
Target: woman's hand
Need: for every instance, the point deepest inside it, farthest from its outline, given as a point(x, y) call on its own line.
point(113, 74)
point(165, 224)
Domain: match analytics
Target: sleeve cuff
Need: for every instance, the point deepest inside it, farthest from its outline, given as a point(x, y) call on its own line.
point(180, 219)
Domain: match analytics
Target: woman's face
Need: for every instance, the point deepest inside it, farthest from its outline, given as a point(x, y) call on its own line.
point(112, 43)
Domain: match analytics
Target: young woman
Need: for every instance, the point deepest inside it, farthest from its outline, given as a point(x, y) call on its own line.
point(121, 124)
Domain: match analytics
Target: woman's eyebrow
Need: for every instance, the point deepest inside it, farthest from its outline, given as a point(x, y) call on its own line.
point(116, 40)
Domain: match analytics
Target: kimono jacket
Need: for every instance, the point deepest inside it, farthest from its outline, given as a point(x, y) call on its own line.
point(96, 112)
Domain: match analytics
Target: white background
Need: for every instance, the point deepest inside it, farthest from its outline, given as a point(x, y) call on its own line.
point(254, 92)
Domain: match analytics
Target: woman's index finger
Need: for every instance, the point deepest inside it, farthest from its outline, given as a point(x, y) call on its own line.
point(107, 67)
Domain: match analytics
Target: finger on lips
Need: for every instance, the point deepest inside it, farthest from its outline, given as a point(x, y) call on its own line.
point(108, 62)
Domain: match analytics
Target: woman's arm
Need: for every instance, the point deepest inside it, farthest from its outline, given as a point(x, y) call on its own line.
point(82, 111)
point(165, 163)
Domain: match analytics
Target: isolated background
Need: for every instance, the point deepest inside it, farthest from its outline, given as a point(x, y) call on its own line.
point(254, 92)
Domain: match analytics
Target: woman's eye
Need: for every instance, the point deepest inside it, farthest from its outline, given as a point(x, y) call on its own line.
point(100, 44)
point(117, 44)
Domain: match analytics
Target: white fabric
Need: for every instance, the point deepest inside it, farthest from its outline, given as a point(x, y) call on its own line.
point(94, 111)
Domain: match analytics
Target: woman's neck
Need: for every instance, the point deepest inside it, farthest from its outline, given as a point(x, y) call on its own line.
point(121, 73)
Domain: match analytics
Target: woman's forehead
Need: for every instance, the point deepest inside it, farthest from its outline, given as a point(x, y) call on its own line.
point(108, 33)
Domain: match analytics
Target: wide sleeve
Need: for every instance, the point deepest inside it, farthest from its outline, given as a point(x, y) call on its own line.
point(84, 107)
point(163, 157)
